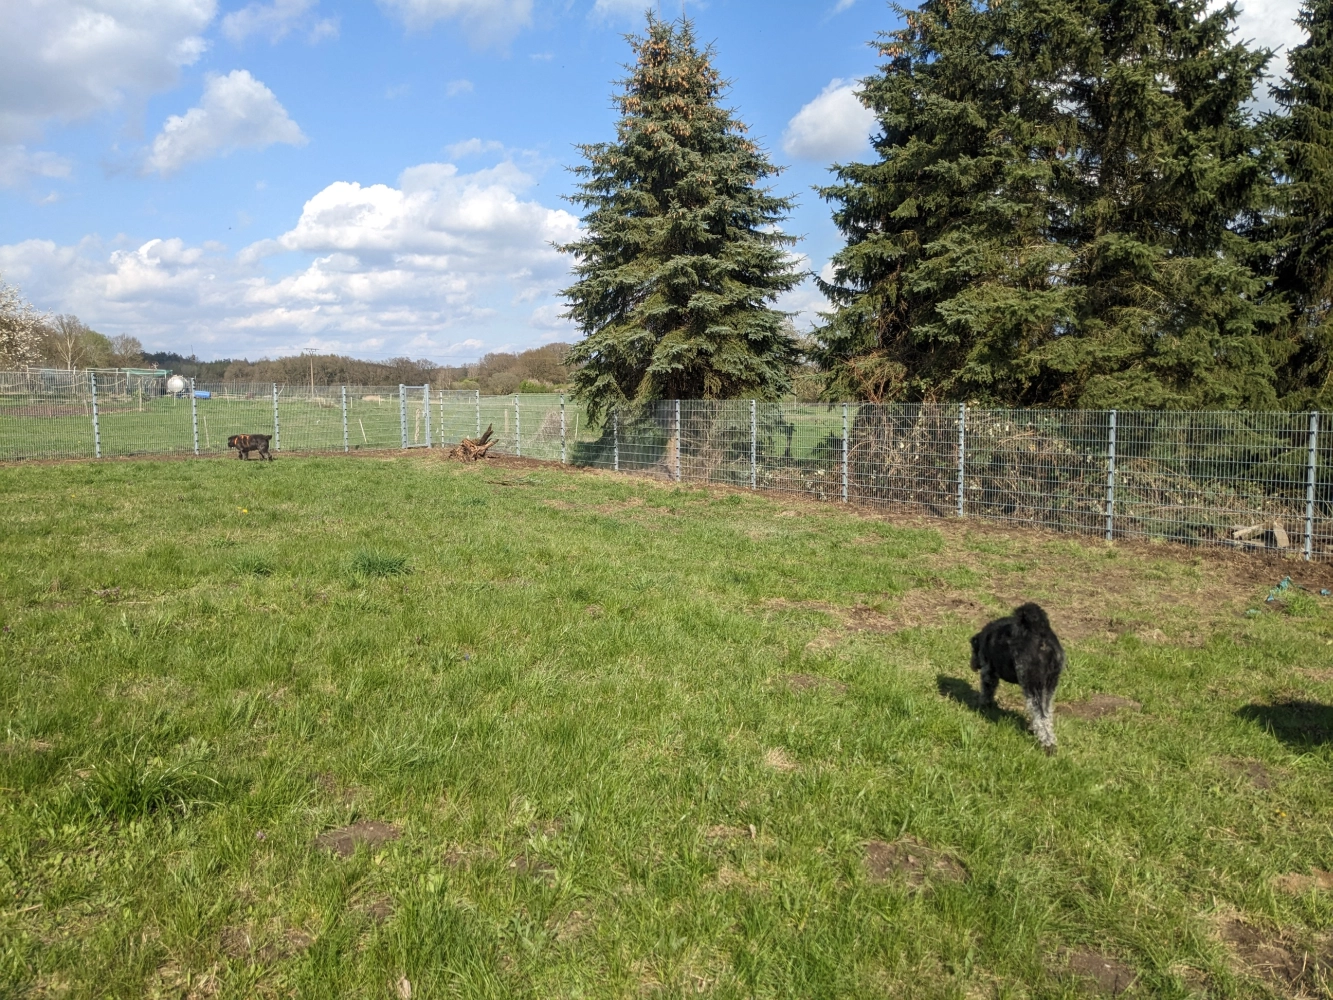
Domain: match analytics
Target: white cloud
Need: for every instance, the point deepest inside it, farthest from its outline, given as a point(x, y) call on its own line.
point(68, 59)
point(487, 22)
point(1271, 24)
point(833, 126)
point(842, 5)
point(473, 147)
point(455, 87)
point(621, 8)
point(276, 20)
point(440, 258)
point(18, 165)
point(237, 111)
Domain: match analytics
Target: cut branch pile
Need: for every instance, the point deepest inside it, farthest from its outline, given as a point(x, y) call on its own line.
point(471, 449)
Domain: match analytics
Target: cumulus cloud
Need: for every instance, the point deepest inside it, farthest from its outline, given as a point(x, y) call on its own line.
point(473, 147)
point(236, 112)
point(443, 256)
point(277, 20)
point(1270, 24)
point(486, 22)
point(833, 126)
point(620, 8)
point(68, 59)
point(19, 165)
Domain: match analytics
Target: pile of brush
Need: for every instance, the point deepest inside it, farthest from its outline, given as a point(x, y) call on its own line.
point(471, 449)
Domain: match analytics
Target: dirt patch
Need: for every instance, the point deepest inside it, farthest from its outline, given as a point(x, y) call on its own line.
point(1111, 976)
point(378, 908)
point(594, 611)
point(1250, 770)
point(334, 789)
point(912, 861)
point(1097, 707)
point(1298, 884)
point(925, 606)
point(533, 867)
point(1272, 957)
point(723, 832)
point(778, 760)
point(814, 682)
point(574, 925)
point(251, 945)
point(343, 841)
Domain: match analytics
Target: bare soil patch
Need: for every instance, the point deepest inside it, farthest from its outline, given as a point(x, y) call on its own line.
point(814, 682)
point(912, 861)
point(927, 605)
point(723, 832)
point(1272, 957)
point(1298, 884)
point(257, 946)
point(533, 867)
point(1097, 707)
point(1111, 976)
point(574, 925)
point(378, 908)
point(1251, 770)
point(343, 841)
point(779, 760)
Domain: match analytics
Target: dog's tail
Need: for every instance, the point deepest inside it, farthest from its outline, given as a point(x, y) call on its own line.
point(1031, 616)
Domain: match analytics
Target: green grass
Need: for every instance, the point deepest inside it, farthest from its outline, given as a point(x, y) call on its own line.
point(571, 708)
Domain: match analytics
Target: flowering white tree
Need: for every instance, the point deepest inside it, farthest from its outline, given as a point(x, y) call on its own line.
point(21, 329)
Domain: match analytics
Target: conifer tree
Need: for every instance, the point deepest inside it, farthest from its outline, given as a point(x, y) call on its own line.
point(1304, 268)
point(1061, 213)
point(682, 257)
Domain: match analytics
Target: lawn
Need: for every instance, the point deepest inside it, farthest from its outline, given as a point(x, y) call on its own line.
point(387, 726)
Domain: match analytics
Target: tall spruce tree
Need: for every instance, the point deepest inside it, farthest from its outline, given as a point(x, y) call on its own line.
point(1304, 267)
point(682, 258)
point(1061, 213)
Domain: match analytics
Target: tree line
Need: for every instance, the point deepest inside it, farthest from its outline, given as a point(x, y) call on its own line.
point(1071, 203)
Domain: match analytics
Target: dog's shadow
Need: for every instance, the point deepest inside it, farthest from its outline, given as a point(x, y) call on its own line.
point(1302, 725)
point(959, 690)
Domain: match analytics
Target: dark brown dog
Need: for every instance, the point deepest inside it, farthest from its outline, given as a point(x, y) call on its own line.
point(246, 443)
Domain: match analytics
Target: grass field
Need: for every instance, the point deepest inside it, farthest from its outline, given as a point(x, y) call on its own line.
point(390, 727)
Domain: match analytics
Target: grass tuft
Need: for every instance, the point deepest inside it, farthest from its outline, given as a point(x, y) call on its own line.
point(133, 786)
point(375, 562)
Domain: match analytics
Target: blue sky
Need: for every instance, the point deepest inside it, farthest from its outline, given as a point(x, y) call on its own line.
point(373, 178)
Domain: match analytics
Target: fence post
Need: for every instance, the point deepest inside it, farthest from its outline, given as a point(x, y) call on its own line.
point(962, 451)
point(425, 416)
point(97, 431)
point(518, 431)
point(1110, 481)
point(844, 452)
point(678, 440)
point(346, 444)
point(1309, 484)
point(562, 428)
point(402, 413)
point(478, 413)
point(615, 440)
point(194, 416)
point(277, 430)
point(754, 477)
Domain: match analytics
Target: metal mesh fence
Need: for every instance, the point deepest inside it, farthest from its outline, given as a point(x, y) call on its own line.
point(1246, 480)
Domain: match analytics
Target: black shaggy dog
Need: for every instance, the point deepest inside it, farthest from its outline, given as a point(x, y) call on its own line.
point(246, 443)
point(1022, 650)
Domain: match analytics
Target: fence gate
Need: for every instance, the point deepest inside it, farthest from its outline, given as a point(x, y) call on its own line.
point(414, 415)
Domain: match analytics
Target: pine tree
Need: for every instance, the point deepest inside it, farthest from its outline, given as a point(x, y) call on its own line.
point(1061, 213)
point(682, 257)
point(1304, 266)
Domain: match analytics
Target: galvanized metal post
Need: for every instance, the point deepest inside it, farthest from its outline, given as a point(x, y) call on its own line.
point(346, 444)
point(1110, 481)
point(1310, 465)
point(962, 451)
point(518, 432)
point(678, 440)
point(194, 416)
point(754, 472)
point(97, 431)
point(615, 440)
point(562, 428)
point(402, 412)
point(844, 452)
point(277, 429)
point(425, 414)
point(478, 413)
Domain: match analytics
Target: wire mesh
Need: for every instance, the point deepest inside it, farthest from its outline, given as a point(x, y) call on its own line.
point(1245, 480)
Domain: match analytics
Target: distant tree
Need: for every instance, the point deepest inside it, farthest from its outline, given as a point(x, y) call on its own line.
point(1304, 265)
point(682, 257)
point(66, 344)
point(1062, 211)
point(126, 352)
point(22, 330)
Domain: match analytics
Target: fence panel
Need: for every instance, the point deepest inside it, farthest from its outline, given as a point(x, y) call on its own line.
point(232, 408)
point(45, 415)
point(904, 455)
